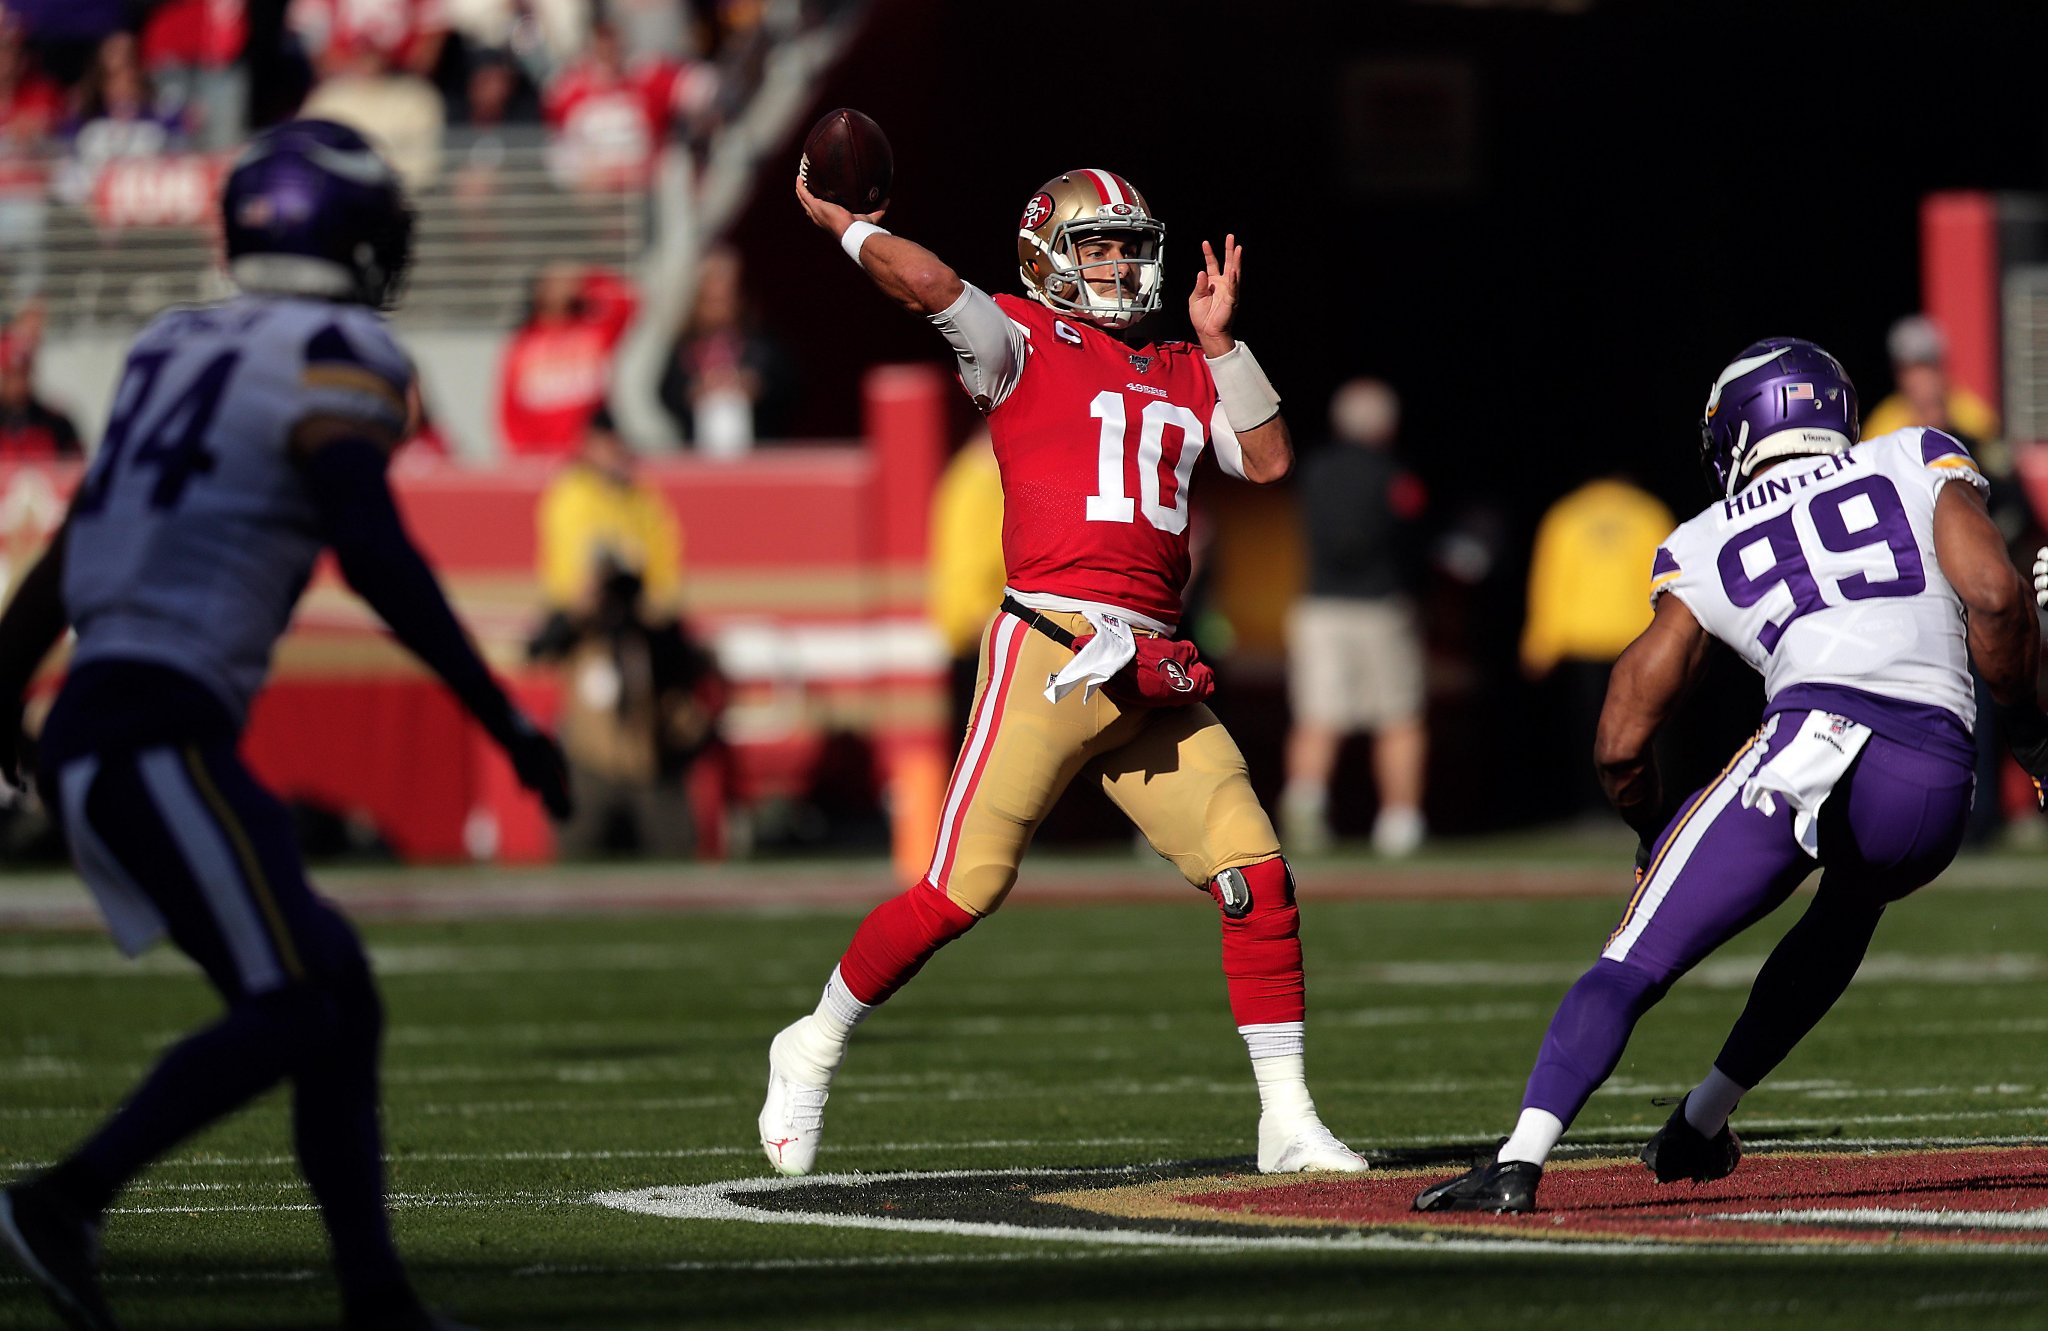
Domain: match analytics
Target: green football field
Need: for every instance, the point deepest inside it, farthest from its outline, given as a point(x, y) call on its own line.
point(534, 1062)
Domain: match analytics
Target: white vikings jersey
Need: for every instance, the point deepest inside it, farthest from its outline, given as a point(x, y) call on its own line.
point(1822, 571)
point(193, 532)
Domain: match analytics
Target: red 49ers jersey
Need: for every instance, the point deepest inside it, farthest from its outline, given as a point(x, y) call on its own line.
point(1097, 444)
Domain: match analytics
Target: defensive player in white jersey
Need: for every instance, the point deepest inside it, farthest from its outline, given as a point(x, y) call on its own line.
point(245, 437)
point(1861, 581)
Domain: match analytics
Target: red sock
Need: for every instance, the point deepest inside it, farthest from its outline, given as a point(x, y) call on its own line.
point(897, 938)
point(1261, 942)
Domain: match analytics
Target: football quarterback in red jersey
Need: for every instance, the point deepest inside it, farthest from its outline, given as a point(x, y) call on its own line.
point(1097, 431)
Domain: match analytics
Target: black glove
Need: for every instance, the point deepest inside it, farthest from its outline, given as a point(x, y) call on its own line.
point(2026, 734)
point(538, 761)
point(1643, 857)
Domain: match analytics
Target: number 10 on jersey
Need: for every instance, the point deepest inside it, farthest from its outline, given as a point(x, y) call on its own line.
point(1110, 503)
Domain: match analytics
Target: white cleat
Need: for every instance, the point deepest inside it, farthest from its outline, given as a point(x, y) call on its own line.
point(793, 1116)
point(1299, 1145)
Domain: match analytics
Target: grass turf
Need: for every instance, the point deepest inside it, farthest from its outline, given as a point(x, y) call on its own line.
point(532, 1063)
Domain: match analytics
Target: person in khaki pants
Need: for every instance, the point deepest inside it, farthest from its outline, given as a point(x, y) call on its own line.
point(1354, 643)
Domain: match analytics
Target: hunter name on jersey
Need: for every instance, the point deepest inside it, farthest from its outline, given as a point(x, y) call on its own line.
point(1824, 572)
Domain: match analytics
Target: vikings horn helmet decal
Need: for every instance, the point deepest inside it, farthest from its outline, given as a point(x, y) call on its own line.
point(1071, 208)
point(311, 209)
point(1782, 397)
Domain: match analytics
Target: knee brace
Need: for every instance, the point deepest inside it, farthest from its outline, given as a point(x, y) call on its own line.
point(1261, 942)
point(897, 938)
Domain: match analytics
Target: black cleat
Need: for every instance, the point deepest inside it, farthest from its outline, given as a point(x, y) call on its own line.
point(60, 1251)
point(1681, 1151)
point(1504, 1186)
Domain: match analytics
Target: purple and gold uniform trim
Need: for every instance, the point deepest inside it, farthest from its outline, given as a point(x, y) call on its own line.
point(252, 868)
point(1671, 837)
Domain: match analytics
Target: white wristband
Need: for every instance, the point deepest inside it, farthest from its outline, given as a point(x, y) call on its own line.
point(856, 235)
point(1247, 395)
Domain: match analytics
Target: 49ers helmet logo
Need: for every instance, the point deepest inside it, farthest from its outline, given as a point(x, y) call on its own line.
point(1036, 211)
point(1176, 676)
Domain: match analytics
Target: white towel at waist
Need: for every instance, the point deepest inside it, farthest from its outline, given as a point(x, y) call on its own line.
point(1804, 770)
point(1109, 651)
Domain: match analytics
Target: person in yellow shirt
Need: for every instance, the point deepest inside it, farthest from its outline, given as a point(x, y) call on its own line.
point(965, 580)
point(1592, 560)
point(1925, 397)
point(640, 698)
point(596, 517)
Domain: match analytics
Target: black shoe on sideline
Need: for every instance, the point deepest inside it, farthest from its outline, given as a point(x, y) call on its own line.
point(1682, 1151)
point(1504, 1186)
point(60, 1251)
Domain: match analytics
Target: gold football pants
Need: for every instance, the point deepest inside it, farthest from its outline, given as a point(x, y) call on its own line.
point(1174, 771)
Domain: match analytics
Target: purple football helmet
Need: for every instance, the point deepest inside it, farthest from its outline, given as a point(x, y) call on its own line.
point(1782, 397)
point(311, 209)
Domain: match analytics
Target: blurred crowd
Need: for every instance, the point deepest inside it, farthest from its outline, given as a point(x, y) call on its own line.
point(84, 82)
point(726, 380)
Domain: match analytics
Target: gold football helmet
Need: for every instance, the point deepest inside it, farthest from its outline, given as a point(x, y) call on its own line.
point(1071, 208)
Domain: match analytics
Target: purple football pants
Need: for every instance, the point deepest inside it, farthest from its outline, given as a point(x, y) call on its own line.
point(1891, 825)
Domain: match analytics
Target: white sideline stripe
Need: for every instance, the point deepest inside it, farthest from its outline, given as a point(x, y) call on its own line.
point(1622, 1134)
point(1897, 1144)
point(829, 1263)
point(99, 959)
point(477, 1108)
point(672, 1153)
point(1000, 667)
point(1715, 973)
point(714, 1201)
point(397, 1201)
point(1893, 1217)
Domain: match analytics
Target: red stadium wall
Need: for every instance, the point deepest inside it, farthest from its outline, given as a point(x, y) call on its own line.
point(803, 565)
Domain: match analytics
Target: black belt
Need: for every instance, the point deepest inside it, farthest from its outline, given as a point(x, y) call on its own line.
point(1051, 628)
point(1013, 606)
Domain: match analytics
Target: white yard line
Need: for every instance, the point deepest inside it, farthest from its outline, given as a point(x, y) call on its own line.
point(30, 960)
point(1896, 1217)
point(672, 1153)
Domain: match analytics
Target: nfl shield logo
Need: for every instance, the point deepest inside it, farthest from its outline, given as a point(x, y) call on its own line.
point(1140, 363)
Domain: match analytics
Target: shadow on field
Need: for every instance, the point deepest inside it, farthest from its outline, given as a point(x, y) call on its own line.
point(1096, 1288)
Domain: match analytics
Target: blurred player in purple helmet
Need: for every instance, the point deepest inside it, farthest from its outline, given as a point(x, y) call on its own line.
point(245, 437)
point(1861, 581)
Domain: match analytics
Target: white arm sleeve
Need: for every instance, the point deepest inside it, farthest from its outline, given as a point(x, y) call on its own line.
point(1229, 453)
point(988, 344)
